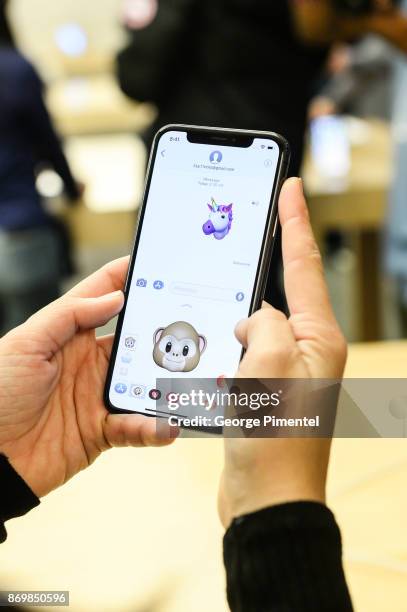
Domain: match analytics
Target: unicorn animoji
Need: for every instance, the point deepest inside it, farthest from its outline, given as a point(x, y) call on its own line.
point(220, 220)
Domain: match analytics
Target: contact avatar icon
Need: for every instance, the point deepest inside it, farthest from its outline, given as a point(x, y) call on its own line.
point(178, 347)
point(220, 220)
point(215, 157)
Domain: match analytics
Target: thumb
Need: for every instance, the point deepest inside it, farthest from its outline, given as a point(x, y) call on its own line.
point(242, 328)
point(137, 430)
point(58, 322)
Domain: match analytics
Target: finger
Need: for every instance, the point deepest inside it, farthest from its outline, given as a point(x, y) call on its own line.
point(106, 344)
point(109, 278)
point(57, 323)
point(304, 279)
point(268, 337)
point(241, 328)
point(268, 329)
point(137, 430)
point(241, 332)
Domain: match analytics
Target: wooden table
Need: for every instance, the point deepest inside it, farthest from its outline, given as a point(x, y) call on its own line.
point(358, 208)
point(139, 531)
point(112, 168)
point(95, 105)
point(368, 493)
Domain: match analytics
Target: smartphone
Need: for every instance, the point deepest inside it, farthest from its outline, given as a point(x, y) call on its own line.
point(200, 260)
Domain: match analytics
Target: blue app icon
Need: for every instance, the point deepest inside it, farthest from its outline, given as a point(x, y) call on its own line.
point(158, 284)
point(120, 388)
point(126, 358)
point(141, 282)
point(240, 296)
point(215, 157)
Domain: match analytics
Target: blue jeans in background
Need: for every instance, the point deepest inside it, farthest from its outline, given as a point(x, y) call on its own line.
point(29, 274)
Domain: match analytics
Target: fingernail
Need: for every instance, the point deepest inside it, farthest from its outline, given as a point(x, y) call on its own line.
point(295, 179)
point(164, 431)
point(298, 181)
point(112, 295)
point(175, 431)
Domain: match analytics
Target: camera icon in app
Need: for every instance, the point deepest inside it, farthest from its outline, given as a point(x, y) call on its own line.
point(141, 282)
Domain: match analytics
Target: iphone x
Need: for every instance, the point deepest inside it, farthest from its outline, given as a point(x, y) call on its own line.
point(200, 260)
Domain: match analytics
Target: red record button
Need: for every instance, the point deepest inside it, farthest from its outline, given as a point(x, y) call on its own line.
point(154, 394)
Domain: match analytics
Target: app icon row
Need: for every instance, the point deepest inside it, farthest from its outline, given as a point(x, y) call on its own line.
point(157, 284)
point(137, 391)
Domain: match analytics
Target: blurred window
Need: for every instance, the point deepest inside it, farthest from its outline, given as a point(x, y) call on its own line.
point(71, 39)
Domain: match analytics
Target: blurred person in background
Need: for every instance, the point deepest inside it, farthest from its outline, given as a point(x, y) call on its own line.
point(396, 243)
point(358, 81)
point(32, 244)
point(237, 64)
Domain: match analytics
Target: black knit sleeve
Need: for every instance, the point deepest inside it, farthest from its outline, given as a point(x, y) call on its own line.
point(16, 498)
point(286, 558)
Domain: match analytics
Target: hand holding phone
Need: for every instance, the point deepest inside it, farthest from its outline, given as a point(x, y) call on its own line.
point(267, 471)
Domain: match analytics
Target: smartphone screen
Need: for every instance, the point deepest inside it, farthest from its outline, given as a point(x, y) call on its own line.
point(197, 262)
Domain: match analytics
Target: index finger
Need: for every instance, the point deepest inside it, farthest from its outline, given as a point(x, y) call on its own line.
point(304, 279)
point(111, 277)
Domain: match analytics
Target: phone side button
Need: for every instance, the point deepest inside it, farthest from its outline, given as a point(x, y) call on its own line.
point(275, 227)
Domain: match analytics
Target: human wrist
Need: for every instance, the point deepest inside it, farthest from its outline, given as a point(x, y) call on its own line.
point(246, 496)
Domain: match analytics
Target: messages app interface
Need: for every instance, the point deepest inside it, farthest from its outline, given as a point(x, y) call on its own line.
point(195, 267)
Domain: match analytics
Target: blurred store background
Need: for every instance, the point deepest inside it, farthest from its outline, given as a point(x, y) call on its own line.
point(73, 45)
point(138, 532)
point(348, 169)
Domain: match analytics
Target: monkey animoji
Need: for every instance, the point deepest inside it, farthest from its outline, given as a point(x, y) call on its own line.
point(178, 347)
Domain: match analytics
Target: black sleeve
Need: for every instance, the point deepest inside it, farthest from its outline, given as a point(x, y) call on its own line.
point(48, 147)
point(156, 56)
point(358, 7)
point(16, 498)
point(287, 558)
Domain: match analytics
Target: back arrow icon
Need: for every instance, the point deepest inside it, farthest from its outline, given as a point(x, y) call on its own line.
point(163, 153)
